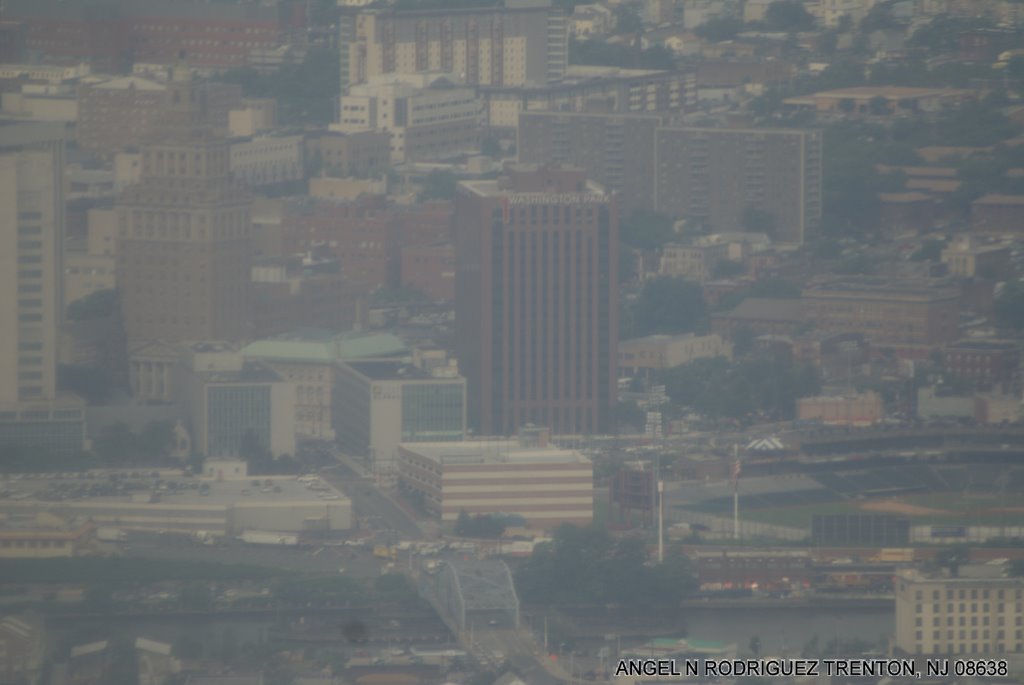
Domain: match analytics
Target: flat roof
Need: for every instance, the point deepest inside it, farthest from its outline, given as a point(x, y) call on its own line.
point(984, 345)
point(877, 285)
point(657, 338)
point(251, 372)
point(998, 199)
point(389, 371)
point(497, 451)
point(868, 92)
point(491, 188)
point(221, 492)
point(325, 347)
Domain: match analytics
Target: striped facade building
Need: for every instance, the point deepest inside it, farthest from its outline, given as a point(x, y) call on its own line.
point(545, 485)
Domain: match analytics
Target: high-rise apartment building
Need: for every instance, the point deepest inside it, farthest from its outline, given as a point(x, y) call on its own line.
point(707, 175)
point(185, 246)
point(524, 43)
point(714, 176)
point(536, 294)
point(32, 415)
point(617, 151)
point(31, 236)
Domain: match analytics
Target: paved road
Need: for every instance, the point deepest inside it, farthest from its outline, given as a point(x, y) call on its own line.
point(369, 502)
point(355, 561)
point(496, 646)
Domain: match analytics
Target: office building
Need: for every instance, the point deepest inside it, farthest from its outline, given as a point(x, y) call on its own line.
point(524, 43)
point(997, 213)
point(229, 400)
point(887, 311)
point(215, 35)
point(128, 111)
point(32, 414)
point(941, 615)
point(363, 153)
point(428, 116)
point(985, 364)
point(380, 403)
point(616, 151)
point(587, 88)
point(969, 258)
point(309, 358)
point(536, 300)
point(854, 409)
point(544, 485)
point(184, 230)
point(709, 176)
point(714, 177)
point(267, 160)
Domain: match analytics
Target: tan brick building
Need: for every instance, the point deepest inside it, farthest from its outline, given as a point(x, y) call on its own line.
point(917, 312)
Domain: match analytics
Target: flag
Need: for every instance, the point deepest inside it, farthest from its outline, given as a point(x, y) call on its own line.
point(735, 473)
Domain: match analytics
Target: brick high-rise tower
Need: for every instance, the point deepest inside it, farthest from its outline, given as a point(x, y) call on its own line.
point(184, 230)
point(536, 300)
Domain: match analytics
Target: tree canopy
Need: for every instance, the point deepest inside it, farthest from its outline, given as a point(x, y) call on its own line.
point(788, 15)
point(587, 566)
point(1010, 305)
point(645, 229)
point(97, 305)
point(669, 305)
point(305, 91)
point(719, 388)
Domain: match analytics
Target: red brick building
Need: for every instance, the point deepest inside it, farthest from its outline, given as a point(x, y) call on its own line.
point(122, 112)
point(995, 213)
point(911, 211)
point(987, 364)
point(115, 35)
point(368, 235)
point(430, 269)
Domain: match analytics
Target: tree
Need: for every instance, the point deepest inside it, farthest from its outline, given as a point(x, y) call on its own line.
point(669, 305)
point(96, 305)
point(585, 565)
point(1009, 305)
point(438, 185)
point(645, 229)
point(491, 147)
point(627, 20)
point(755, 646)
point(930, 251)
point(952, 557)
point(305, 91)
point(116, 444)
point(754, 220)
point(879, 106)
point(788, 15)
point(94, 384)
point(196, 596)
point(719, 29)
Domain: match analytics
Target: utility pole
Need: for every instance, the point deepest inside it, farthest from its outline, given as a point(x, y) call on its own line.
point(735, 492)
point(661, 520)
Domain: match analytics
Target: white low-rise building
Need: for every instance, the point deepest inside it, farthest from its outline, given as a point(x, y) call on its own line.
point(525, 477)
point(428, 116)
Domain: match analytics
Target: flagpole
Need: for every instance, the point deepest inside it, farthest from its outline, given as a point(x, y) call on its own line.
point(735, 493)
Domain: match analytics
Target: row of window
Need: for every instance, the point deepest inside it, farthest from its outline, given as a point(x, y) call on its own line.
point(33, 544)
